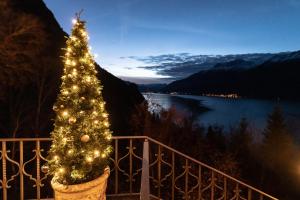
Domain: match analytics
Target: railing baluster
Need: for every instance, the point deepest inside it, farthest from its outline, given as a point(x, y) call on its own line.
point(225, 188)
point(4, 178)
point(237, 191)
point(212, 189)
point(116, 166)
point(173, 175)
point(249, 194)
point(145, 180)
point(186, 185)
point(130, 166)
point(21, 171)
point(159, 170)
point(38, 175)
point(261, 197)
point(200, 182)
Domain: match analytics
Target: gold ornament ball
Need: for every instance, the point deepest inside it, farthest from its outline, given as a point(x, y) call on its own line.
point(72, 120)
point(45, 169)
point(85, 138)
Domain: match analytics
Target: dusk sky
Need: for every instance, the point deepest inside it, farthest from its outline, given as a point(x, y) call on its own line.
point(125, 32)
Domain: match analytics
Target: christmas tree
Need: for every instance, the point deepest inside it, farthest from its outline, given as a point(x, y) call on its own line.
point(81, 135)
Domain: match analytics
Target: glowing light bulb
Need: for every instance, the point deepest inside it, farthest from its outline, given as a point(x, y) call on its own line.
point(73, 63)
point(70, 152)
point(55, 157)
point(68, 62)
point(65, 92)
point(75, 87)
point(96, 122)
point(65, 113)
point(103, 155)
point(74, 21)
point(64, 140)
point(96, 153)
point(108, 137)
point(105, 115)
point(106, 124)
point(74, 72)
point(89, 159)
point(73, 38)
point(95, 112)
point(88, 79)
point(61, 170)
point(69, 49)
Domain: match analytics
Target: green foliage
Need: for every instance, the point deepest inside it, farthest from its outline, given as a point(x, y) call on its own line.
point(81, 135)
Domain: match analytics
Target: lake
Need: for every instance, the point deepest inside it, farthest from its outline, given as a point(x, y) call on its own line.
point(228, 112)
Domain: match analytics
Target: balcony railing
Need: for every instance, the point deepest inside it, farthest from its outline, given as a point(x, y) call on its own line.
point(139, 165)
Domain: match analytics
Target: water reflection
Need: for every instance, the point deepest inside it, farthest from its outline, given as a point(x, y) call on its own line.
point(228, 112)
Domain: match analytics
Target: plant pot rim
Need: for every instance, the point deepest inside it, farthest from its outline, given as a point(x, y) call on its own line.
point(82, 186)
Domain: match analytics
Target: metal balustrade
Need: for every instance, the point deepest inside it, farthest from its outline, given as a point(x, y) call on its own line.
point(159, 172)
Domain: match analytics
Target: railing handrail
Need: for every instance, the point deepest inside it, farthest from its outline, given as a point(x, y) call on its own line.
point(163, 145)
point(211, 168)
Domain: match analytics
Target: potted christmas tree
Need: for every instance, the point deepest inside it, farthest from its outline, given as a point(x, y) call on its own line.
point(78, 157)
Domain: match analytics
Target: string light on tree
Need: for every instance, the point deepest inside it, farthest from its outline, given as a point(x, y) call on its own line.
point(96, 153)
point(81, 127)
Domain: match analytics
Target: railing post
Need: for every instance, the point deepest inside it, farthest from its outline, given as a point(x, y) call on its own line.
point(38, 174)
point(159, 170)
point(200, 183)
point(225, 188)
point(21, 171)
point(145, 183)
point(130, 165)
point(186, 181)
point(116, 166)
point(4, 178)
point(173, 175)
point(212, 189)
point(249, 194)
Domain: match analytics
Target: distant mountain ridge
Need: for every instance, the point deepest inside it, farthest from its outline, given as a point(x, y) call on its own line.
point(179, 66)
point(277, 77)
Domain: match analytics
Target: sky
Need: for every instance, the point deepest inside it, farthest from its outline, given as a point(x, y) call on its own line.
point(126, 33)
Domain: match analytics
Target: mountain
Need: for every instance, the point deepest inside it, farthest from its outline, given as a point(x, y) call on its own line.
point(275, 78)
point(235, 64)
point(151, 87)
point(179, 66)
point(31, 67)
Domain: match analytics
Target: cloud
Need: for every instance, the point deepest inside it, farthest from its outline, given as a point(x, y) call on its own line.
point(178, 66)
point(175, 65)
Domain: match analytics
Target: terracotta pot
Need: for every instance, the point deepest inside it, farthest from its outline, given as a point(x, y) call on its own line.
point(93, 190)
